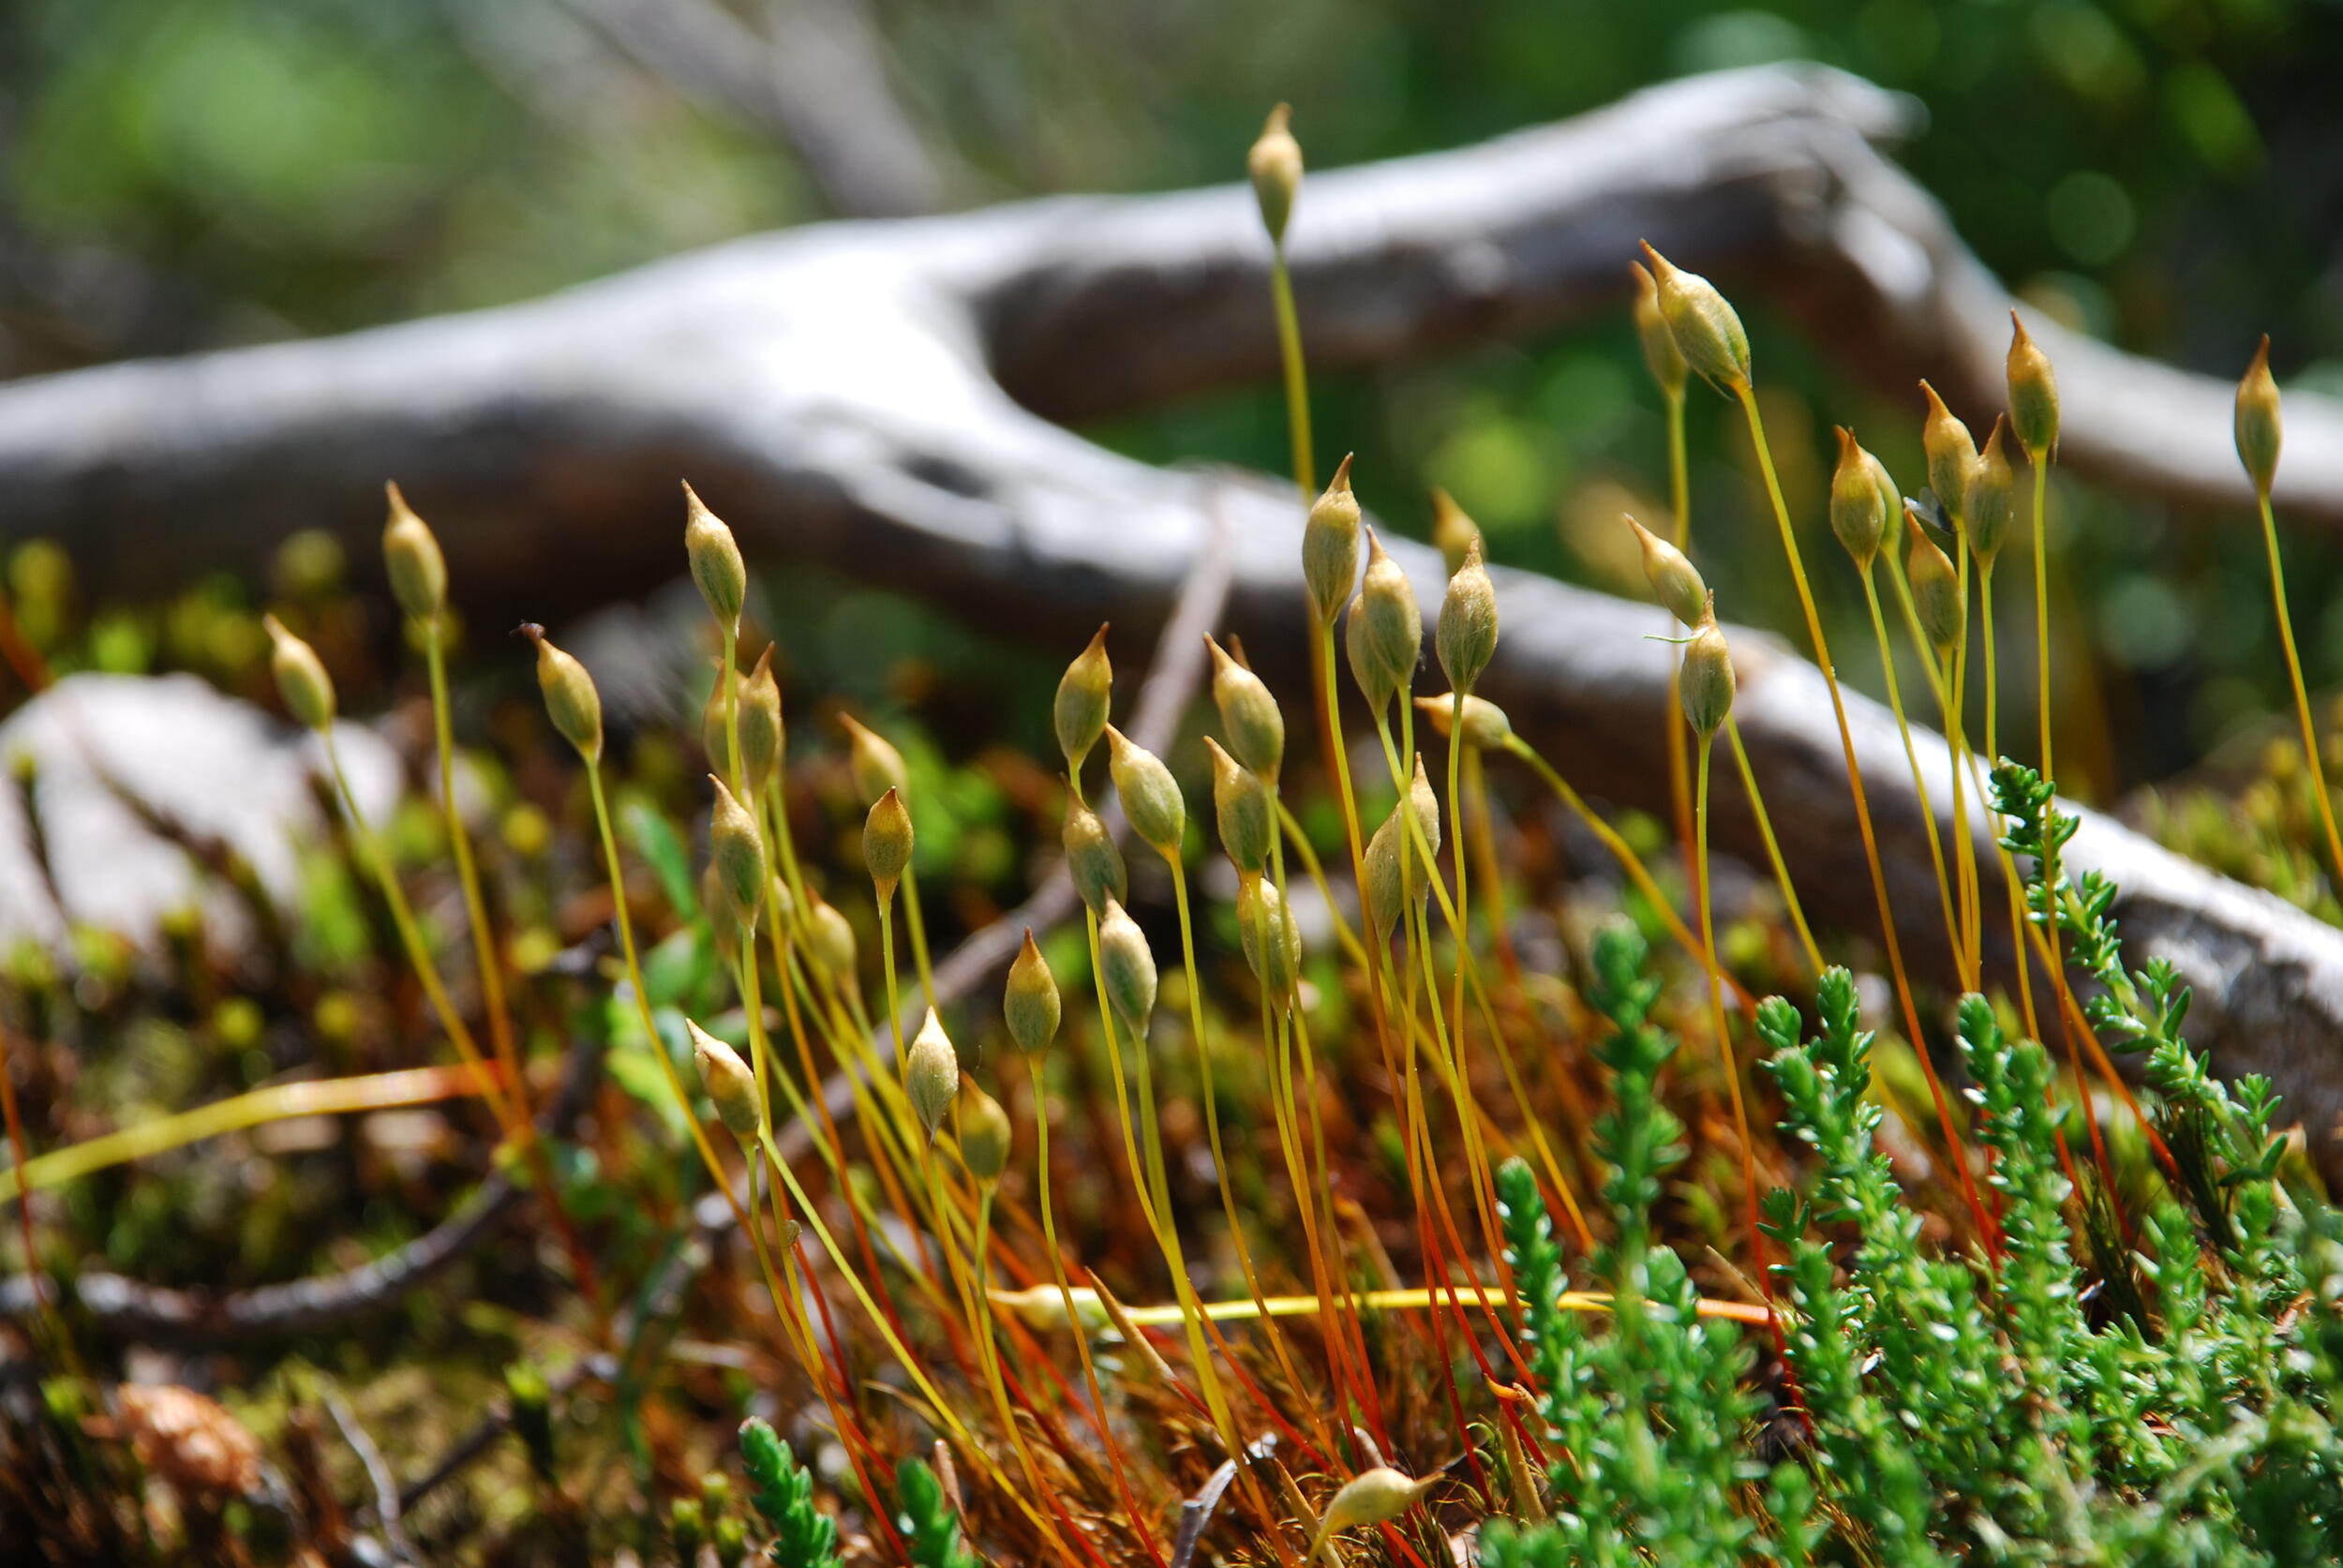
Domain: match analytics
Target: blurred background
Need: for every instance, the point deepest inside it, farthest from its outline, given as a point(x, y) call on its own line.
point(181, 174)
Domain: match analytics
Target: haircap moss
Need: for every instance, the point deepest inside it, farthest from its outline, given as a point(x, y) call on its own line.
point(1084, 692)
point(1707, 330)
point(1255, 727)
point(1465, 637)
point(2033, 394)
point(1151, 797)
point(1030, 1003)
point(715, 558)
point(1863, 500)
point(728, 1082)
point(307, 691)
point(1274, 166)
point(1675, 582)
point(571, 700)
point(1330, 546)
point(413, 560)
point(886, 840)
point(2260, 431)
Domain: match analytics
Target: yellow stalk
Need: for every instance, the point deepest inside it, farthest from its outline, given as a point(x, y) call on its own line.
point(1065, 1295)
point(1296, 376)
point(1712, 984)
point(485, 948)
point(2302, 694)
point(1773, 849)
point(1416, 1298)
point(1862, 812)
point(1212, 1106)
point(1903, 728)
point(327, 1097)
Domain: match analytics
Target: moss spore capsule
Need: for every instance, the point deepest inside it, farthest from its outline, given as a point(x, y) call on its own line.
point(716, 564)
point(1391, 626)
point(931, 1075)
point(1993, 499)
point(1384, 898)
point(1675, 582)
point(1453, 534)
point(1084, 692)
point(873, 761)
point(412, 560)
point(886, 842)
point(1241, 807)
point(1936, 596)
point(984, 1133)
point(736, 850)
point(1375, 1497)
point(1465, 637)
point(829, 937)
point(763, 739)
point(1330, 546)
point(1486, 726)
point(1704, 325)
point(1864, 501)
point(307, 691)
point(1952, 458)
point(1255, 725)
point(1091, 859)
point(728, 1082)
point(1271, 939)
point(1126, 968)
point(1365, 669)
point(2260, 431)
point(571, 700)
point(2033, 394)
point(1661, 356)
point(1151, 797)
point(1030, 1003)
point(1274, 166)
point(1706, 683)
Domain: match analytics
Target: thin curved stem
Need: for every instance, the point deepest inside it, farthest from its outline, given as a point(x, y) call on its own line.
point(912, 1368)
point(1773, 847)
point(1863, 820)
point(1680, 514)
point(1911, 751)
point(1296, 374)
point(1115, 1460)
point(486, 949)
point(1725, 1057)
point(2302, 695)
point(518, 1126)
point(1957, 748)
point(1630, 863)
point(1212, 1102)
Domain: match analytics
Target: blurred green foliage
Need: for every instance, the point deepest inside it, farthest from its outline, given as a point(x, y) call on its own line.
point(182, 174)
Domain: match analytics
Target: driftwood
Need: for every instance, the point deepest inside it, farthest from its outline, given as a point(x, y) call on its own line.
point(873, 397)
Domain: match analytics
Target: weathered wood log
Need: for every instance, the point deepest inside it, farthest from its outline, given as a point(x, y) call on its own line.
point(865, 395)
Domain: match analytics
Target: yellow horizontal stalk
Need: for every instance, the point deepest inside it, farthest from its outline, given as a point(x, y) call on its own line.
point(328, 1097)
point(1417, 1298)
